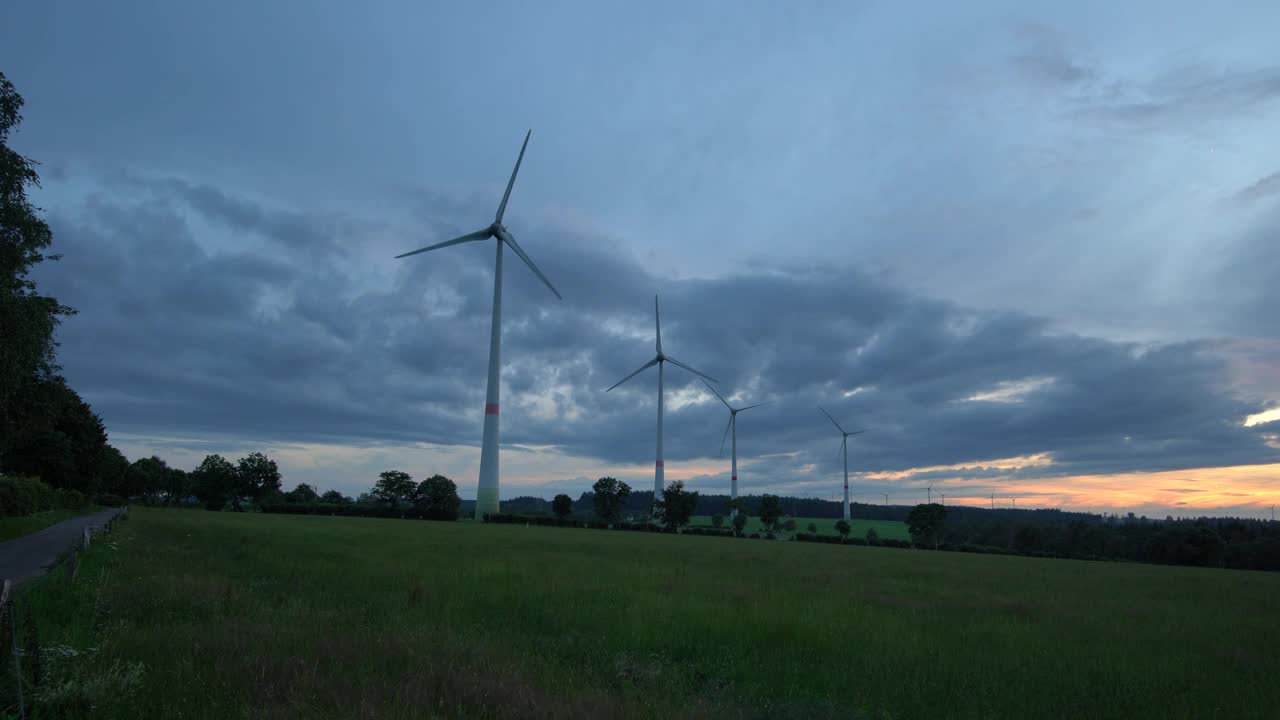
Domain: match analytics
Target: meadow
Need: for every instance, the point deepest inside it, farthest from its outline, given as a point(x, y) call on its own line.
point(886, 529)
point(193, 614)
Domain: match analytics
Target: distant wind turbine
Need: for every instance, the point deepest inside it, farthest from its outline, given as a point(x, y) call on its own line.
point(930, 495)
point(944, 498)
point(732, 426)
point(487, 491)
point(993, 501)
point(886, 499)
point(844, 447)
point(660, 360)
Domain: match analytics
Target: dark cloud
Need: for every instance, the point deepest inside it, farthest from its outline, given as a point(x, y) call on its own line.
point(176, 338)
point(1263, 188)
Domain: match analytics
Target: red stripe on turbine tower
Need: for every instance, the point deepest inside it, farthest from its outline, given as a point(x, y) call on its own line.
point(735, 477)
point(491, 409)
point(659, 463)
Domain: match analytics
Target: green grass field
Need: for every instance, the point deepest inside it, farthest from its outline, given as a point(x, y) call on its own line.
point(886, 529)
point(12, 527)
point(221, 615)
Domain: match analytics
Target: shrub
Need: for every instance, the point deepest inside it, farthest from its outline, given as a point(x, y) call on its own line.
point(109, 500)
point(25, 495)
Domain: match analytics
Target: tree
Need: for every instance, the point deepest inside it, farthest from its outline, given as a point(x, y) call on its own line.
point(27, 319)
point(873, 537)
point(437, 498)
point(789, 525)
point(54, 435)
point(214, 481)
point(717, 521)
point(333, 496)
point(676, 506)
point(739, 522)
point(770, 510)
point(562, 506)
point(304, 493)
point(257, 477)
point(842, 527)
point(113, 467)
point(146, 477)
point(393, 487)
point(177, 485)
point(610, 497)
point(813, 529)
point(925, 523)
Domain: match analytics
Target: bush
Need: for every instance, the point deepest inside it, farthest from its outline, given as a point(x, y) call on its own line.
point(25, 495)
point(72, 499)
point(109, 500)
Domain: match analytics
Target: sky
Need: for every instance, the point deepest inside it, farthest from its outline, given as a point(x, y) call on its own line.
point(1032, 249)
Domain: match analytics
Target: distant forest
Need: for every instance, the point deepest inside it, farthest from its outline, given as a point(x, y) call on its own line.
point(1241, 543)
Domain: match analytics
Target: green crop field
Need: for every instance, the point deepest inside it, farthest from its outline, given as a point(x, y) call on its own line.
point(193, 614)
point(886, 529)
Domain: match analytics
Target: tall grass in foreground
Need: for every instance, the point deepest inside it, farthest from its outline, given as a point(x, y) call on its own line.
point(214, 615)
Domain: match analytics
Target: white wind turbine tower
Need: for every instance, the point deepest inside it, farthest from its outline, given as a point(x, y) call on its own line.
point(487, 491)
point(844, 447)
point(733, 425)
point(660, 360)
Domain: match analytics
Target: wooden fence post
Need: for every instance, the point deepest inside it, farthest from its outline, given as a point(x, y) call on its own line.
point(86, 538)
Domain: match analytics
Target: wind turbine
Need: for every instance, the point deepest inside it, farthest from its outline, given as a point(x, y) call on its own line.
point(886, 499)
point(930, 496)
point(733, 425)
point(660, 360)
point(993, 501)
point(944, 498)
point(487, 490)
point(844, 447)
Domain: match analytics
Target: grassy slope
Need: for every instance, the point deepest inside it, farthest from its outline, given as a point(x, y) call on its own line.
point(12, 527)
point(273, 616)
point(887, 529)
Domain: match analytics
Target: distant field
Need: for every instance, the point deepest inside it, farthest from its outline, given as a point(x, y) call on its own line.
point(887, 529)
point(247, 615)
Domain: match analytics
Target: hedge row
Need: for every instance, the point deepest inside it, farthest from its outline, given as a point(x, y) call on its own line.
point(27, 495)
point(354, 510)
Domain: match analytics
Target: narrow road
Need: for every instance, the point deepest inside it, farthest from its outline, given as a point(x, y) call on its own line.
point(26, 557)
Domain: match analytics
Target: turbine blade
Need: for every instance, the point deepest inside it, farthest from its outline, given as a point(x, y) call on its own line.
point(726, 402)
point(674, 361)
point(767, 402)
point(833, 420)
point(469, 237)
point(644, 367)
point(842, 446)
point(657, 323)
point(508, 239)
point(726, 433)
point(855, 432)
point(502, 209)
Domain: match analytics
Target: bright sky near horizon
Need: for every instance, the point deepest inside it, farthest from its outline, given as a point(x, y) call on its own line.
point(1032, 249)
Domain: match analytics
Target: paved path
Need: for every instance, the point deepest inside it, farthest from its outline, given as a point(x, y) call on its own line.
point(26, 557)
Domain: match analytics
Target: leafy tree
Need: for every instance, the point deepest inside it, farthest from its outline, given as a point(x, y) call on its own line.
point(56, 436)
point(562, 506)
point(770, 510)
point(394, 487)
point(333, 496)
point(842, 527)
point(437, 498)
point(873, 537)
point(214, 481)
point(177, 485)
point(717, 521)
point(27, 319)
point(113, 468)
point(789, 525)
point(813, 529)
point(257, 477)
point(925, 523)
point(304, 493)
point(146, 477)
point(610, 497)
point(677, 505)
point(739, 522)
